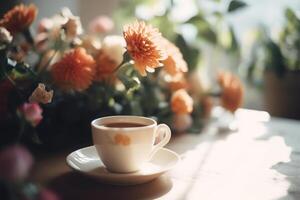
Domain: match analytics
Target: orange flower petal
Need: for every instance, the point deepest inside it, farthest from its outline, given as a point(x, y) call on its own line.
point(143, 43)
point(232, 91)
point(181, 102)
point(19, 18)
point(75, 71)
point(174, 63)
point(177, 82)
point(105, 67)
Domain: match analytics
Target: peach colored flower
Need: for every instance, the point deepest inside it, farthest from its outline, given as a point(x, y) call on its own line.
point(177, 82)
point(32, 113)
point(105, 66)
point(231, 91)
point(181, 102)
point(143, 43)
point(75, 71)
point(101, 24)
point(91, 44)
point(19, 18)
point(121, 139)
point(41, 95)
point(174, 63)
point(181, 122)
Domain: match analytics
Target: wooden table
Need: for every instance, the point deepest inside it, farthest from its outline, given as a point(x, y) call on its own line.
point(260, 161)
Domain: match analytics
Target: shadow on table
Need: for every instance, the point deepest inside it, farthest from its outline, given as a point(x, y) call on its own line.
point(73, 185)
point(290, 169)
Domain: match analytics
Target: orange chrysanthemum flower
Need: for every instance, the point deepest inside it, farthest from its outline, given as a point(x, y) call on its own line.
point(75, 71)
point(231, 91)
point(19, 18)
point(177, 82)
point(174, 63)
point(181, 102)
point(105, 66)
point(143, 43)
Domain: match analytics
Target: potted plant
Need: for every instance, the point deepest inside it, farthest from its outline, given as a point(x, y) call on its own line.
point(277, 60)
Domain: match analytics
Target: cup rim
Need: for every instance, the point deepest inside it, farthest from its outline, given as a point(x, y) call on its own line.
point(153, 124)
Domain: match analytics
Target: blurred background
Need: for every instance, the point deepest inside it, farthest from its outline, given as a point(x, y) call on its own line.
point(257, 40)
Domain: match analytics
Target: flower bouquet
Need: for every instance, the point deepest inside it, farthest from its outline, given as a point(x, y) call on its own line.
point(54, 83)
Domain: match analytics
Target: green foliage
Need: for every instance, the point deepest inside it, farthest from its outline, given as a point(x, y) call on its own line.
point(190, 54)
point(207, 23)
point(235, 5)
point(279, 55)
point(274, 58)
point(129, 78)
point(289, 41)
point(205, 30)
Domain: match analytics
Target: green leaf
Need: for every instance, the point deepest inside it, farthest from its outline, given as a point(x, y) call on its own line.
point(129, 78)
point(22, 68)
point(227, 39)
point(204, 28)
point(274, 58)
point(236, 5)
point(190, 54)
point(133, 85)
point(195, 19)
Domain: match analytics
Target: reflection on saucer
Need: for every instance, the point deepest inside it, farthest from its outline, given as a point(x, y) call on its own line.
point(86, 160)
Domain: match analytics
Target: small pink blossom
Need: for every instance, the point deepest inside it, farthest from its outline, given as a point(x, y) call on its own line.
point(101, 24)
point(15, 162)
point(32, 112)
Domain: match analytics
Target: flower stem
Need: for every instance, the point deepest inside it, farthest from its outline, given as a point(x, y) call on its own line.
point(28, 36)
point(214, 94)
point(42, 68)
point(126, 59)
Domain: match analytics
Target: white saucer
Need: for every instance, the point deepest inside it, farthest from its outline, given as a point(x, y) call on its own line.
point(86, 160)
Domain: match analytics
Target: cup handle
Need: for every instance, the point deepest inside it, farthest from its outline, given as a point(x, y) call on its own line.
point(164, 141)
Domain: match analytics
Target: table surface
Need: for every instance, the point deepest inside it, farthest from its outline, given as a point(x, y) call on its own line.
point(259, 161)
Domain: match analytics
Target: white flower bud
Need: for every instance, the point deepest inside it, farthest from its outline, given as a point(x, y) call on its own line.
point(5, 36)
point(73, 27)
point(114, 47)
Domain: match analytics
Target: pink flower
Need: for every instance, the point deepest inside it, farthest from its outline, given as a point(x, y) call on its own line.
point(32, 112)
point(46, 194)
point(101, 24)
point(15, 162)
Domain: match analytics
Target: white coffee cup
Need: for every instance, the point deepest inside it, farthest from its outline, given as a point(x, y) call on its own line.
point(125, 149)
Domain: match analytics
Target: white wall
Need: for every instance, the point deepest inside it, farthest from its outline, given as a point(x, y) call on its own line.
point(92, 8)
